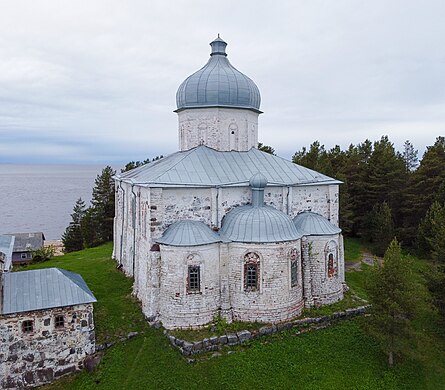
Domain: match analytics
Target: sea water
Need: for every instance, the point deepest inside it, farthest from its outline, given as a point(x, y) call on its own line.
point(37, 198)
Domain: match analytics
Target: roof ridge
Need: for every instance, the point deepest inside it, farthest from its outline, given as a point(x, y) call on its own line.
point(298, 165)
point(83, 286)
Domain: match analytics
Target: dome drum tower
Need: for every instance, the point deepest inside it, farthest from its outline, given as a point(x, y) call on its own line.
point(218, 106)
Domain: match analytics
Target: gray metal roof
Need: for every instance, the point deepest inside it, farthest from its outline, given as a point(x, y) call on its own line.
point(27, 241)
point(313, 224)
point(6, 247)
point(206, 167)
point(258, 224)
point(188, 233)
point(218, 84)
point(42, 289)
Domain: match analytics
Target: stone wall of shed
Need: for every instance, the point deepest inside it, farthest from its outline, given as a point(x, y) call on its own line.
point(47, 353)
point(275, 300)
point(325, 290)
point(180, 308)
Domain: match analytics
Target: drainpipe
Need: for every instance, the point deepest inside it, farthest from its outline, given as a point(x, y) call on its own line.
point(133, 222)
point(122, 223)
point(287, 200)
point(218, 224)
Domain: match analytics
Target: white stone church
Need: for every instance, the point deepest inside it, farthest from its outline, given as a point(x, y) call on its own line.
point(220, 228)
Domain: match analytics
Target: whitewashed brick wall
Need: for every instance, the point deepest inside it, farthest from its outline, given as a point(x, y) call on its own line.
point(219, 128)
point(275, 300)
point(179, 307)
point(325, 289)
point(155, 209)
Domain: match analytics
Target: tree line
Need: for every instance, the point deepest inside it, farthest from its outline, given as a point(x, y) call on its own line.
point(386, 193)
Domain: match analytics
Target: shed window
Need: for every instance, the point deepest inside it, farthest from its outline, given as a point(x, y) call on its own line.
point(24, 255)
point(27, 326)
point(59, 321)
point(251, 271)
point(194, 279)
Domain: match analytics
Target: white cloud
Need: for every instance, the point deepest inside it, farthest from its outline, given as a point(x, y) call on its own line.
point(97, 79)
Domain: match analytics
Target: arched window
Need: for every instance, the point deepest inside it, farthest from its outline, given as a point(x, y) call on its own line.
point(251, 272)
point(331, 252)
point(294, 261)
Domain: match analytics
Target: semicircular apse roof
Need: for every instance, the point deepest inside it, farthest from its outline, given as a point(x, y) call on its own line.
point(188, 233)
point(251, 224)
point(313, 224)
point(218, 84)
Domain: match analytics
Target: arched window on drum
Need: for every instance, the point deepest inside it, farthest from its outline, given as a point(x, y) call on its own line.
point(251, 272)
point(331, 254)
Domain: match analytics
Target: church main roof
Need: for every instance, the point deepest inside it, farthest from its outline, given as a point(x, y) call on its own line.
point(206, 167)
point(218, 84)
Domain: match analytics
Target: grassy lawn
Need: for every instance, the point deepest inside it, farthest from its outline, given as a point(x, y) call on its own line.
point(338, 357)
point(353, 249)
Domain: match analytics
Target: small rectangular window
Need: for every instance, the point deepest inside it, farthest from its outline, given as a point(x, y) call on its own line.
point(294, 273)
point(250, 277)
point(27, 326)
point(194, 278)
point(24, 255)
point(59, 321)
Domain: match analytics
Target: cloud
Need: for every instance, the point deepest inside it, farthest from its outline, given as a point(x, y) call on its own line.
point(95, 81)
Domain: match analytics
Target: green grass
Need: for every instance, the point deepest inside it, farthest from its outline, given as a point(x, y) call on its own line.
point(353, 249)
point(116, 312)
point(338, 357)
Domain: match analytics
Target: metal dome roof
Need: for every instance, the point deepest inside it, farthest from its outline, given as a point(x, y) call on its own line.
point(313, 224)
point(258, 224)
point(218, 84)
point(188, 233)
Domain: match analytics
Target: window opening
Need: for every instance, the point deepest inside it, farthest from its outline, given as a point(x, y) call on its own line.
point(59, 321)
point(194, 278)
point(251, 271)
point(27, 326)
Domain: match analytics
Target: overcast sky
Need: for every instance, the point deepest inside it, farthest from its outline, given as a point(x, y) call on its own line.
point(95, 81)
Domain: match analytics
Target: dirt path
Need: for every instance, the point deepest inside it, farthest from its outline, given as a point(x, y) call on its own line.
point(367, 258)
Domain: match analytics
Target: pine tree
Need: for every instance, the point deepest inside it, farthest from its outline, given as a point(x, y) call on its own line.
point(380, 227)
point(90, 229)
point(266, 148)
point(395, 297)
point(72, 238)
point(431, 232)
point(410, 156)
point(424, 187)
point(102, 207)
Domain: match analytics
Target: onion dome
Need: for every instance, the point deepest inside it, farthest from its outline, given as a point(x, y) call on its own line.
point(251, 224)
point(218, 84)
point(313, 224)
point(188, 233)
point(258, 181)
